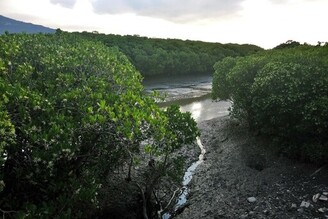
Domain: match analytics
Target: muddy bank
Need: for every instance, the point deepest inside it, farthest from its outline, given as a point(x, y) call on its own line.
point(242, 178)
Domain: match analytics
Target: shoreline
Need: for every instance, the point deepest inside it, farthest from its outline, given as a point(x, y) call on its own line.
point(185, 99)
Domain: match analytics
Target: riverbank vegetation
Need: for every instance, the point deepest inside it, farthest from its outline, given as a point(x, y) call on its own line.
point(171, 56)
point(73, 116)
point(281, 93)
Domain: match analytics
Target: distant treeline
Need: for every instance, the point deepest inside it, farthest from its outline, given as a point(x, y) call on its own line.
point(171, 56)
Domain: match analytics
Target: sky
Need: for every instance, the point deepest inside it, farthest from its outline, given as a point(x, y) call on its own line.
point(266, 23)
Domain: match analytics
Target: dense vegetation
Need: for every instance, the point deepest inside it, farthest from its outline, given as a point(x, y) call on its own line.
point(282, 93)
point(171, 56)
point(72, 117)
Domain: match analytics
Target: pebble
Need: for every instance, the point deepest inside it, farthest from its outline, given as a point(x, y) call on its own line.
point(315, 197)
point(305, 204)
point(294, 205)
point(323, 198)
point(251, 199)
point(323, 210)
point(266, 212)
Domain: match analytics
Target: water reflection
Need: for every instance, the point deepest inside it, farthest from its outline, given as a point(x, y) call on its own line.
point(196, 110)
point(206, 109)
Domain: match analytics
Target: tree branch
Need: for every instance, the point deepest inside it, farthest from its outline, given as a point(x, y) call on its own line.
point(144, 203)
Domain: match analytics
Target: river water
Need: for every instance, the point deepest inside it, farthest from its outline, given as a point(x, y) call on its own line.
point(192, 93)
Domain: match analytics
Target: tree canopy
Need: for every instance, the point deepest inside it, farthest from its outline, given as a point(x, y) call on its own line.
point(171, 56)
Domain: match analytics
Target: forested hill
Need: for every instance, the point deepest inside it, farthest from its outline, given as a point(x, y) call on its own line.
point(14, 26)
point(171, 56)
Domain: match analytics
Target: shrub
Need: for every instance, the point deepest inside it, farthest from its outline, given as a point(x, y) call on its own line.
point(282, 93)
point(71, 112)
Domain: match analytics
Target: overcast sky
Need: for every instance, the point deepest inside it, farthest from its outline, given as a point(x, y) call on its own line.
point(265, 23)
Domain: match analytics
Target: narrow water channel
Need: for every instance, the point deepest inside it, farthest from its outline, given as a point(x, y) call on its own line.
point(192, 95)
point(201, 110)
point(182, 199)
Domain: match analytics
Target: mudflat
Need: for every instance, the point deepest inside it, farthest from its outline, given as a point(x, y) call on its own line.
point(243, 177)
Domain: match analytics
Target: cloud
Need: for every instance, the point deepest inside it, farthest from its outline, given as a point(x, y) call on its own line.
point(284, 2)
point(64, 3)
point(169, 9)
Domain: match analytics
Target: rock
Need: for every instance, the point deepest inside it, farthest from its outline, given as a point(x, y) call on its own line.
point(323, 198)
point(208, 213)
point(305, 204)
point(256, 162)
point(251, 199)
point(315, 197)
point(266, 212)
point(325, 193)
point(294, 205)
point(323, 210)
point(223, 138)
